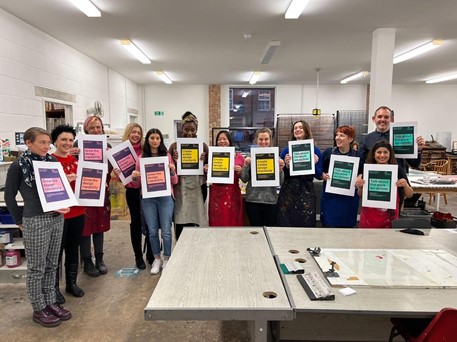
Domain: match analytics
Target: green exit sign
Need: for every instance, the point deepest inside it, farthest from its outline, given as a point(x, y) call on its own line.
point(158, 113)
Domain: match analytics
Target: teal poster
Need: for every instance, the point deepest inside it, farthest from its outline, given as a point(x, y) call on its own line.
point(379, 185)
point(342, 174)
point(302, 157)
point(403, 139)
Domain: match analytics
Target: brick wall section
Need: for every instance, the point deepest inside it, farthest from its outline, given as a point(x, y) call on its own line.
point(214, 99)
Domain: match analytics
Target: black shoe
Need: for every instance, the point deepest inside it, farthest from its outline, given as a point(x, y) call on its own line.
point(89, 268)
point(140, 263)
point(60, 299)
point(71, 273)
point(46, 319)
point(99, 264)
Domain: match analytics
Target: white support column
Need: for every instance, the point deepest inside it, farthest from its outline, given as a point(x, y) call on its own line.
point(382, 54)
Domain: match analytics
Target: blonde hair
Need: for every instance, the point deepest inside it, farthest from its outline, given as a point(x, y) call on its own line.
point(264, 130)
point(129, 128)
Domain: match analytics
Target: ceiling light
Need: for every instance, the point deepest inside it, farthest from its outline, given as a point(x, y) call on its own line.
point(295, 8)
point(245, 93)
point(135, 51)
point(87, 7)
point(418, 51)
point(255, 77)
point(271, 49)
point(355, 76)
point(163, 76)
point(442, 79)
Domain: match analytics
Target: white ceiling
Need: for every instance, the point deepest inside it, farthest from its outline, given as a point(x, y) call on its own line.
point(201, 41)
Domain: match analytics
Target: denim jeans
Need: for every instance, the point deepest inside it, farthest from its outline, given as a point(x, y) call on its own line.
point(158, 213)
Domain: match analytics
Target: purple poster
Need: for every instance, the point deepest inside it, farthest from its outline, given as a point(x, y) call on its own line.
point(125, 161)
point(91, 184)
point(53, 188)
point(155, 177)
point(93, 151)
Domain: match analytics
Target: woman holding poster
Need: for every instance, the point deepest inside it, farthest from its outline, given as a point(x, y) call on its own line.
point(382, 153)
point(225, 201)
point(340, 211)
point(98, 219)
point(62, 138)
point(42, 231)
point(261, 201)
point(297, 201)
point(134, 133)
point(190, 192)
point(158, 211)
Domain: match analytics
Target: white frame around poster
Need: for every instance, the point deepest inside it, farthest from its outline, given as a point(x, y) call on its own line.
point(91, 137)
point(263, 150)
point(221, 180)
point(392, 203)
point(100, 201)
point(144, 186)
point(292, 170)
point(115, 162)
point(192, 172)
point(45, 204)
point(355, 167)
point(391, 137)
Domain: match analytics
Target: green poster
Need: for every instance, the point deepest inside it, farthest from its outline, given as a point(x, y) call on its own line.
point(302, 157)
point(342, 174)
point(403, 139)
point(379, 185)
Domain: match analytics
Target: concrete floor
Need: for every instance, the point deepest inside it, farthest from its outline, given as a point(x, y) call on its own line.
point(112, 309)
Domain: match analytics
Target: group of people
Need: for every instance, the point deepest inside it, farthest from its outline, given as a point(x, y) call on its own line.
point(47, 235)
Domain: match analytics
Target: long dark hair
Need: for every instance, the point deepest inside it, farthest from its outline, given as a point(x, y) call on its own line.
point(162, 150)
point(227, 134)
point(379, 144)
point(306, 129)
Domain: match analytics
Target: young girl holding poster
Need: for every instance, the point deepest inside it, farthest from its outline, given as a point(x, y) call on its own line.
point(261, 201)
point(225, 201)
point(158, 211)
point(42, 231)
point(382, 153)
point(337, 210)
point(297, 201)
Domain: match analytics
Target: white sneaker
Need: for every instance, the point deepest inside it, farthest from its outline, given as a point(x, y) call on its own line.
point(156, 265)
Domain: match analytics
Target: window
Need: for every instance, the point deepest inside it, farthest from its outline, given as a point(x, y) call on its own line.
point(264, 101)
point(231, 99)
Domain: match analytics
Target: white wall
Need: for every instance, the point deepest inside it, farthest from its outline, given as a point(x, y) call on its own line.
point(174, 101)
point(29, 58)
point(433, 106)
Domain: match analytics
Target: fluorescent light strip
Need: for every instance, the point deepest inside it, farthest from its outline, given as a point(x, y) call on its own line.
point(418, 51)
point(87, 7)
point(270, 51)
point(164, 77)
point(295, 9)
point(355, 76)
point(255, 77)
point(442, 79)
point(245, 93)
point(135, 51)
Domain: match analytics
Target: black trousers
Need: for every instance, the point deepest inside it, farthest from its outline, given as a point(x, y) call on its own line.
point(71, 238)
point(261, 214)
point(133, 197)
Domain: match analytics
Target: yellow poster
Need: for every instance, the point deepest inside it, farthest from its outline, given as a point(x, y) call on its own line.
point(265, 166)
point(220, 164)
point(189, 156)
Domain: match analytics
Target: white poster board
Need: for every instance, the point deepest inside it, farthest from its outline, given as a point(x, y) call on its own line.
point(189, 152)
point(302, 157)
point(221, 165)
point(380, 190)
point(123, 157)
point(53, 187)
point(343, 174)
point(264, 166)
point(91, 184)
point(402, 137)
point(155, 177)
point(92, 148)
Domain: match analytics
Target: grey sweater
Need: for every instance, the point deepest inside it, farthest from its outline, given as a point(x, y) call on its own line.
point(15, 183)
point(266, 194)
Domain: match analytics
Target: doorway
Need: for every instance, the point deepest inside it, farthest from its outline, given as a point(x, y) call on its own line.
point(57, 114)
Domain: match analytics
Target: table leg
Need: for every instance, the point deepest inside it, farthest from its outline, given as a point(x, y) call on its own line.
point(259, 331)
point(437, 202)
